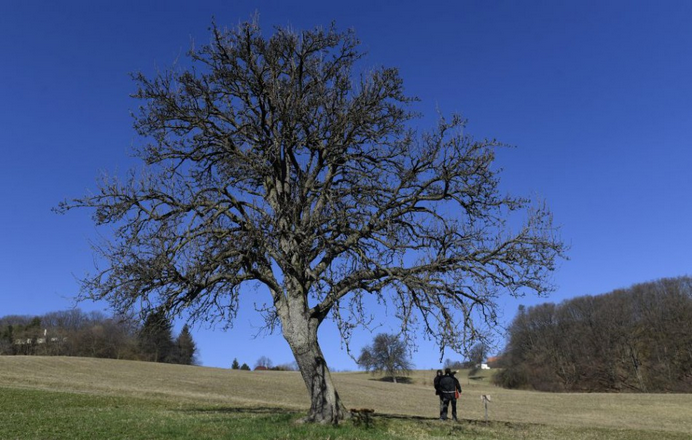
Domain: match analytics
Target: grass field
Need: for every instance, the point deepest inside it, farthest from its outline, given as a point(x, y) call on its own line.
point(75, 398)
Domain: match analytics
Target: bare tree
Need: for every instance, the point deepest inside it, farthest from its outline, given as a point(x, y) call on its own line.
point(264, 362)
point(387, 354)
point(272, 160)
point(476, 357)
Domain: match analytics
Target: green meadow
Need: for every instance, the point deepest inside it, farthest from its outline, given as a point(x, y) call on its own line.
point(78, 398)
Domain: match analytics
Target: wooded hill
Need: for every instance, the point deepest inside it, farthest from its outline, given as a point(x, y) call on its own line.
point(637, 339)
point(75, 333)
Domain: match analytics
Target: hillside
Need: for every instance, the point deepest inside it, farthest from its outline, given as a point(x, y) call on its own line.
point(223, 388)
point(635, 339)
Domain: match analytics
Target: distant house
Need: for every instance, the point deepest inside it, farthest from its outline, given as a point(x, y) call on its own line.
point(494, 361)
point(43, 340)
point(261, 368)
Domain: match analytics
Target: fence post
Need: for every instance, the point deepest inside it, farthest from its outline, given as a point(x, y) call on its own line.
point(485, 398)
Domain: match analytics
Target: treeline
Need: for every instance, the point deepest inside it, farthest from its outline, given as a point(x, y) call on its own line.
point(637, 339)
point(75, 333)
point(264, 363)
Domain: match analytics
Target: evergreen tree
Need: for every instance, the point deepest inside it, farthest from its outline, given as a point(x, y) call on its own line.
point(155, 338)
point(245, 367)
point(235, 365)
point(7, 341)
point(185, 347)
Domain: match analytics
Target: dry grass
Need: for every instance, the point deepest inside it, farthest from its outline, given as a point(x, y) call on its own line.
point(233, 388)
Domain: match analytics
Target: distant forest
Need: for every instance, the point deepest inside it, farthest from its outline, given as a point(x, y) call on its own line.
point(637, 339)
point(75, 333)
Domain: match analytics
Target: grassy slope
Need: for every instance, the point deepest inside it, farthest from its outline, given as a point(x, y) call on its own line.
point(183, 386)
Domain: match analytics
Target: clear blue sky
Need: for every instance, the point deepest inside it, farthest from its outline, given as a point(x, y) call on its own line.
point(596, 95)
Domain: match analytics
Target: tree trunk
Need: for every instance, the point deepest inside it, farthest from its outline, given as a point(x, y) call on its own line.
point(300, 331)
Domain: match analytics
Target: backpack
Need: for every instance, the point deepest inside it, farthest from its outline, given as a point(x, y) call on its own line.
point(447, 385)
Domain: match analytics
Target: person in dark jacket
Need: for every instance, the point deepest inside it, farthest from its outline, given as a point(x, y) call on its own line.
point(436, 383)
point(449, 386)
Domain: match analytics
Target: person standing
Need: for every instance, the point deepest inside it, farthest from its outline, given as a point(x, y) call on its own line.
point(436, 384)
point(449, 387)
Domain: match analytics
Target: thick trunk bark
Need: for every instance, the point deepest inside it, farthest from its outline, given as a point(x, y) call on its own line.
point(300, 332)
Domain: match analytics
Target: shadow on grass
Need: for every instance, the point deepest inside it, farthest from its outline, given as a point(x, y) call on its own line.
point(399, 379)
point(245, 410)
point(461, 422)
point(431, 421)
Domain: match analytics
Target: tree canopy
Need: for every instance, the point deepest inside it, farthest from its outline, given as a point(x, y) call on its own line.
point(276, 160)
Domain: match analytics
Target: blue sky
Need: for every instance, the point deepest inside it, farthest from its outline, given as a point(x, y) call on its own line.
point(595, 95)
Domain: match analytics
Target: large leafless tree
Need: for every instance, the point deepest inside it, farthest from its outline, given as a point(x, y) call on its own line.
point(272, 160)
